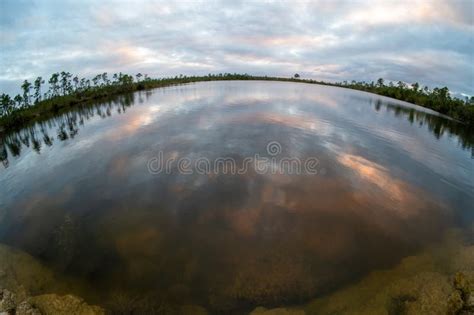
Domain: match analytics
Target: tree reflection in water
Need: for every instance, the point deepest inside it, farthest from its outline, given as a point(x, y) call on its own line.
point(67, 126)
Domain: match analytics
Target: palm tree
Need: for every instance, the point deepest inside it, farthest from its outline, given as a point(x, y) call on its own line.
point(18, 100)
point(82, 84)
point(6, 104)
point(380, 82)
point(96, 79)
point(76, 82)
point(65, 82)
point(401, 85)
point(138, 75)
point(115, 77)
point(105, 80)
point(37, 87)
point(26, 87)
point(53, 83)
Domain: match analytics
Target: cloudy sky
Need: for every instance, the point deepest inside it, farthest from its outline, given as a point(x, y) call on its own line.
point(428, 41)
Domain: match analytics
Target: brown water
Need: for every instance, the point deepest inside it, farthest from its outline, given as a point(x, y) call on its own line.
point(389, 178)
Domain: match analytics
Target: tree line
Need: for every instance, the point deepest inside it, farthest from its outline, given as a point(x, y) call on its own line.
point(63, 84)
point(437, 99)
point(64, 89)
point(68, 124)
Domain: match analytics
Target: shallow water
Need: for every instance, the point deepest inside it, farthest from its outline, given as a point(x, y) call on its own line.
point(83, 192)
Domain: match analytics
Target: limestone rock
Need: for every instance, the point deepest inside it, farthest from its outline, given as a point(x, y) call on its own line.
point(64, 305)
point(7, 301)
point(25, 308)
point(469, 301)
point(276, 311)
point(192, 310)
point(455, 303)
point(463, 282)
point(22, 272)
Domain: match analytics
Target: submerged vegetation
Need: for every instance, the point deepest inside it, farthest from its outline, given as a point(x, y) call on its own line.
point(65, 90)
point(438, 280)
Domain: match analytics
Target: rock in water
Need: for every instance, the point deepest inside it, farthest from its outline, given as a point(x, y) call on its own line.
point(64, 305)
point(7, 301)
point(20, 271)
point(25, 308)
point(276, 311)
point(464, 283)
point(192, 310)
point(469, 302)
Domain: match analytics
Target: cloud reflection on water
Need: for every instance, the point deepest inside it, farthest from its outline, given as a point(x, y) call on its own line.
point(258, 238)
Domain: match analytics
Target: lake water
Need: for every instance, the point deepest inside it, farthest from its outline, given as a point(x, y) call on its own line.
point(88, 193)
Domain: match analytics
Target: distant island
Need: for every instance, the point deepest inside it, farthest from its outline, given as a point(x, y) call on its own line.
point(66, 90)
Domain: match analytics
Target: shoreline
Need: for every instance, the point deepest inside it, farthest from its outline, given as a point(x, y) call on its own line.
point(45, 109)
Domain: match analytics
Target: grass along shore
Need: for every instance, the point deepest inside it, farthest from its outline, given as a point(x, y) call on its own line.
point(66, 91)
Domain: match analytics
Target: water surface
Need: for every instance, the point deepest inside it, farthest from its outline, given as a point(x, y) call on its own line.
point(77, 192)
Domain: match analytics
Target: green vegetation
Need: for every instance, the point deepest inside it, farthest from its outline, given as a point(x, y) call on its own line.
point(437, 99)
point(66, 90)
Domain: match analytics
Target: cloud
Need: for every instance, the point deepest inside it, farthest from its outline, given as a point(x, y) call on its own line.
point(426, 41)
point(413, 12)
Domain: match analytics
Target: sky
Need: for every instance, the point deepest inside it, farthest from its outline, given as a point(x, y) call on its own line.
point(430, 41)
